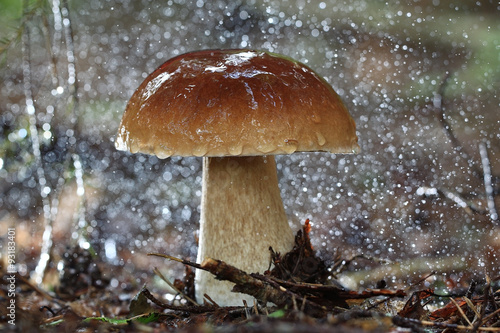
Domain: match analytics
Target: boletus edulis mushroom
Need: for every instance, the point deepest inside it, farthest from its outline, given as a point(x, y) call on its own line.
point(236, 109)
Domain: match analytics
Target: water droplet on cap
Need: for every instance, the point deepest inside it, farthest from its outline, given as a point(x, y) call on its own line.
point(162, 152)
point(321, 138)
point(290, 146)
point(236, 150)
point(265, 148)
point(200, 151)
point(316, 118)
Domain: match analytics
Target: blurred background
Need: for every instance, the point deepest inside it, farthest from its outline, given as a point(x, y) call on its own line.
point(421, 78)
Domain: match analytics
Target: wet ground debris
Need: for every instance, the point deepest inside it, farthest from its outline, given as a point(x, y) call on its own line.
point(78, 271)
point(301, 264)
point(305, 298)
point(299, 278)
point(470, 311)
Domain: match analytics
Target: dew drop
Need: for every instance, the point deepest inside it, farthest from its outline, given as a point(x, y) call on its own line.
point(290, 146)
point(316, 118)
point(265, 148)
point(200, 151)
point(321, 138)
point(162, 152)
point(236, 150)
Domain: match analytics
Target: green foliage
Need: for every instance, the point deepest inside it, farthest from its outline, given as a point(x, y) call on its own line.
point(277, 314)
point(144, 319)
point(12, 17)
point(10, 8)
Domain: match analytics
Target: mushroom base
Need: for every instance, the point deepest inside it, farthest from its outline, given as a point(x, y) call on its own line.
point(242, 215)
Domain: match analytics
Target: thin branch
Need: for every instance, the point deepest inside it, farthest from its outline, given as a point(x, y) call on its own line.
point(488, 186)
point(469, 207)
point(439, 105)
point(182, 261)
point(263, 289)
point(459, 308)
point(184, 308)
point(171, 285)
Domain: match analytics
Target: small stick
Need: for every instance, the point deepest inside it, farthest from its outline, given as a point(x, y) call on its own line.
point(185, 308)
point(255, 308)
point(244, 283)
point(486, 300)
point(38, 289)
point(461, 311)
point(491, 315)
point(171, 285)
point(210, 300)
point(447, 194)
point(185, 262)
point(487, 179)
point(439, 105)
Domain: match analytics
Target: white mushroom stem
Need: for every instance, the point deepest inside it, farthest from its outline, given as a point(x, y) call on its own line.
point(242, 215)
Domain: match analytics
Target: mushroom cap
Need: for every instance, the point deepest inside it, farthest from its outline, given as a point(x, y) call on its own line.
point(235, 103)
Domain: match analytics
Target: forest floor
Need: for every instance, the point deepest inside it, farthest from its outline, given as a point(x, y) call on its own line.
point(303, 289)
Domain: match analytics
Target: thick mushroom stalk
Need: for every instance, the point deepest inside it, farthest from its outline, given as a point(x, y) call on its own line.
point(242, 215)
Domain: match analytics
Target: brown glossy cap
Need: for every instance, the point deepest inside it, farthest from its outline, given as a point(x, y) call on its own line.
point(235, 102)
